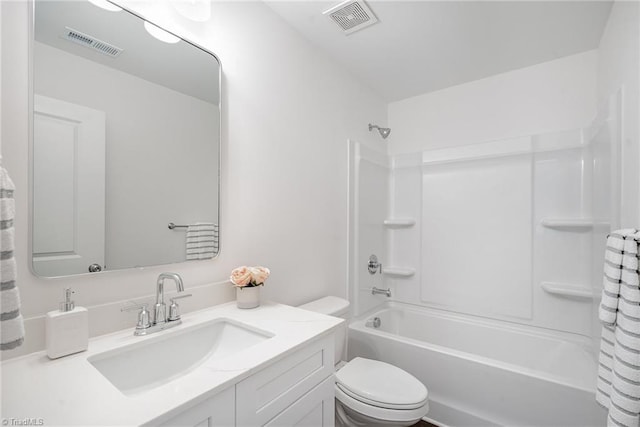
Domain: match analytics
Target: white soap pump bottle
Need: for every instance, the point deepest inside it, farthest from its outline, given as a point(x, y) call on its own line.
point(67, 329)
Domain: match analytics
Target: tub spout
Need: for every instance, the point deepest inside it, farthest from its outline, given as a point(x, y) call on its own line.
point(376, 291)
point(373, 323)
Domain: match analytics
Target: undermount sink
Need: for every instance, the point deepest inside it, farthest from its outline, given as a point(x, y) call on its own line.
point(155, 361)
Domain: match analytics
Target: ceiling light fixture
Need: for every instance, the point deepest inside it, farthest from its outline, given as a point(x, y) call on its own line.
point(104, 4)
point(160, 34)
point(195, 10)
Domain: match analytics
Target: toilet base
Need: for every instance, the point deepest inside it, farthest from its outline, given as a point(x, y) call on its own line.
point(346, 417)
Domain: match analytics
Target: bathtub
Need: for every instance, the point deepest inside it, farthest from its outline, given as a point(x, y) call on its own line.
point(481, 372)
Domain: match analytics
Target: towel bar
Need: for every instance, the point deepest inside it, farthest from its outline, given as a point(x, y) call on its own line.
point(171, 226)
point(196, 243)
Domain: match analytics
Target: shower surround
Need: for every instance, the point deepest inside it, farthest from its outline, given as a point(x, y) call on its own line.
point(505, 235)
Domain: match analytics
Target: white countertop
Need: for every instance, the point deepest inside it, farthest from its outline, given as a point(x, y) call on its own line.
point(70, 391)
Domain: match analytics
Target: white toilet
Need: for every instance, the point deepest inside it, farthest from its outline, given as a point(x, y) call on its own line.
point(370, 392)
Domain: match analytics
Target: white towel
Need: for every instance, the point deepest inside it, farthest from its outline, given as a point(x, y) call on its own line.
point(202, 240)
point(11, 323)
point(618, 385)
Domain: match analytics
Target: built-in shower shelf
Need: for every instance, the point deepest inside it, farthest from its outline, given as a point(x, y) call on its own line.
point(567, 290)
point(398, 271)
point(576, 224)
point(399, 222)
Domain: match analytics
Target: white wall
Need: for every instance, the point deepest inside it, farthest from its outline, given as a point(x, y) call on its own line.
point(547, 97)
point(619, 69)
point(155, 126)
point(287, 114)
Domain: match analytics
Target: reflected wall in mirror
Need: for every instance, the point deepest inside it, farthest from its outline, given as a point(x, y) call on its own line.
point(126, 139)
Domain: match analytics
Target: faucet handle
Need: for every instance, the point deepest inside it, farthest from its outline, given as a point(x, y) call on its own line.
point(130, 306)
point(143, 316)
point(174, 308)
point(180, 295)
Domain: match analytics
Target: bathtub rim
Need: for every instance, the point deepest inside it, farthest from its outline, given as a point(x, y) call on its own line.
point(358, 324)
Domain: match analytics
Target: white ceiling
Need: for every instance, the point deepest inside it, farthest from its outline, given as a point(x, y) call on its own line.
point(423, 46)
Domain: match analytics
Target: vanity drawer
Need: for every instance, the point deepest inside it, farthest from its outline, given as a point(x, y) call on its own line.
point(267, 393)
point(314, 409)
point(216, 411)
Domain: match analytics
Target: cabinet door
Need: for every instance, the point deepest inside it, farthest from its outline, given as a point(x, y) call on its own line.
point(218, 411)
point(314, 409)
point(261, 397)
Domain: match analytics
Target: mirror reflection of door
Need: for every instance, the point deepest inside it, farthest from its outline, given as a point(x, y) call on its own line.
point(69, 187)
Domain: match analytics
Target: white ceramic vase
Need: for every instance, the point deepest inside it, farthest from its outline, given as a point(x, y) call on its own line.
point(248, 297)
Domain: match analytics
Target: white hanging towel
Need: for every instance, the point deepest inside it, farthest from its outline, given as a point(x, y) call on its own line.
point(202, 240)
point(618, 384)
point(11, 323)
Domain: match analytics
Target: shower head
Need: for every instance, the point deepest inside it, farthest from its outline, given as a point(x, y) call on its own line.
point(384, 132)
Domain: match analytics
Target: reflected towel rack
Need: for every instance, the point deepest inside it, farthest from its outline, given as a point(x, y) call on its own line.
point(172, 226)
point(212, 240)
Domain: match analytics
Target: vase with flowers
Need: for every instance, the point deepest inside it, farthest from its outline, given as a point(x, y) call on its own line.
point(247, 281)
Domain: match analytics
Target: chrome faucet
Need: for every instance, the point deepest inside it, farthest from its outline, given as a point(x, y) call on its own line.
point(160, 321)
point(160, 311)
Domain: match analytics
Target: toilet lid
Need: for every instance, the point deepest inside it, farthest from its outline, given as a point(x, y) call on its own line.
point(381, 384)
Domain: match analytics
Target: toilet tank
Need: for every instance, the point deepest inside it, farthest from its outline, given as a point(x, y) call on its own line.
point(333, 306)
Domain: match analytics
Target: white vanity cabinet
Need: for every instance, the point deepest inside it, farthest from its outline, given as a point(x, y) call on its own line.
point(314, 409)
point(297, 390)
point(217, 411)
point(291, 389)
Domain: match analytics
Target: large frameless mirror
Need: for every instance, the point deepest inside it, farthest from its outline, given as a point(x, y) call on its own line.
point(125, 142)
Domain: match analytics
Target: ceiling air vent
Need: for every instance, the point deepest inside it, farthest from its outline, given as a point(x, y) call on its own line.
point(352, 15)
point(91, 42)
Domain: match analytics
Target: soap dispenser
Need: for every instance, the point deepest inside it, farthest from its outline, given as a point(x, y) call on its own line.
point(67, 329)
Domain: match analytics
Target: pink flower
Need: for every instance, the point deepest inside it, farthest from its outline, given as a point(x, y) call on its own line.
point(241, 276)
point(259, 274)
point(249, 276)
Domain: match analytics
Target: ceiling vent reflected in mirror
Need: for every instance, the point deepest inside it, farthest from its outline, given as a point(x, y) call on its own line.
point(351, 15)
point(91, 42)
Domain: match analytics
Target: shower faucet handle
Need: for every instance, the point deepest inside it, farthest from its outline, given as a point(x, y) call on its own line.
point(373, 265)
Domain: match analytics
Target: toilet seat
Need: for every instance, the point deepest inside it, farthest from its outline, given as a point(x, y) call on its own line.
point(379, 413)
point(380, 384)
